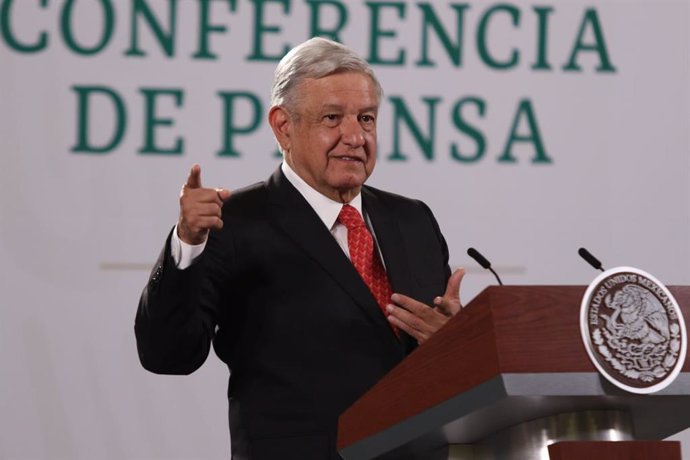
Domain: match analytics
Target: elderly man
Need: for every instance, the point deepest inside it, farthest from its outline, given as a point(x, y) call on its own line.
point(311, 286)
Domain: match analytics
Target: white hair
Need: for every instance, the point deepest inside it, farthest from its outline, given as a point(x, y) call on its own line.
point(315, 58)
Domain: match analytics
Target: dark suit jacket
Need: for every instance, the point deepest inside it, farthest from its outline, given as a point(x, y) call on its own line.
point(288, 313)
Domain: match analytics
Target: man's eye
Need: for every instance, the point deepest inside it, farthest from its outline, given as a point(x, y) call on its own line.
point(367, 118)
point(331, 117)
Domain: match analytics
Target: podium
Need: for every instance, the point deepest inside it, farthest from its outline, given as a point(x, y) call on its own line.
point(506, 377)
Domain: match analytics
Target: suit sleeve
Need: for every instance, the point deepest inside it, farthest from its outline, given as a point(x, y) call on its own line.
point(177, 314)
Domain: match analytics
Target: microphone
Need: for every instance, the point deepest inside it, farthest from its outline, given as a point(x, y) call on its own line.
point(481, 260)
point(593, 261)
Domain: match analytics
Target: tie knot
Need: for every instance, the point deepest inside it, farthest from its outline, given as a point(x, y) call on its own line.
point(350, 217)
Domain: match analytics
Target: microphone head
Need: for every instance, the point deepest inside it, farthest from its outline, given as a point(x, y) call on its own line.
point(481, 260)
point(593, 261)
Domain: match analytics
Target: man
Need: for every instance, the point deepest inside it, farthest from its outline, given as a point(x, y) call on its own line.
point(307, 302)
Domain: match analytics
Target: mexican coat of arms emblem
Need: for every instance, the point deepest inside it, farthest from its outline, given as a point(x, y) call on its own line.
point(633, 330)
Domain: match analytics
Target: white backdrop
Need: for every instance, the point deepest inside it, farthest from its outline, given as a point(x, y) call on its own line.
point(79, 230)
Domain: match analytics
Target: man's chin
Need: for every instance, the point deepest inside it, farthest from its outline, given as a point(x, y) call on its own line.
point(350, 183)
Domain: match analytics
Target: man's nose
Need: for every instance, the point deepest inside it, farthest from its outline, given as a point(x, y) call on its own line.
point(351, 132)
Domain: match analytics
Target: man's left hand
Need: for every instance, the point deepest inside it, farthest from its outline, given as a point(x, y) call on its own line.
point(420, 320)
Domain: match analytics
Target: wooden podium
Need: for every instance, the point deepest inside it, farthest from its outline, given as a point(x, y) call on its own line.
point(510, 365)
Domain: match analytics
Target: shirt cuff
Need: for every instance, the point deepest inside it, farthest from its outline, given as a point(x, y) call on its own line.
point(184, 254)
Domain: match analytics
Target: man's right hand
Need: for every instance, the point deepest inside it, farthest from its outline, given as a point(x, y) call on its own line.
point(200, 209)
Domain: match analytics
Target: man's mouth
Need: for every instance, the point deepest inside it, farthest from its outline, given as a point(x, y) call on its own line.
point(348, 158)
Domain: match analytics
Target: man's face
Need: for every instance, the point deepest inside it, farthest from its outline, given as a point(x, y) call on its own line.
point(332, 135)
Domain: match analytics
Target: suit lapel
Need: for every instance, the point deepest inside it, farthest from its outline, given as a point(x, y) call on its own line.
point(390, 242)
point(301, 223)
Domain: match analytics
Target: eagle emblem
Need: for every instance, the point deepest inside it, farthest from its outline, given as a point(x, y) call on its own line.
point(633, 330)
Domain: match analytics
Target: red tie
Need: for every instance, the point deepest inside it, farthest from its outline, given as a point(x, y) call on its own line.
point(364, 257)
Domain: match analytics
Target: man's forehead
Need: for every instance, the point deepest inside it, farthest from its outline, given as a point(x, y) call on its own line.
point(339, 95)
point(331, 106)
point(343, 81)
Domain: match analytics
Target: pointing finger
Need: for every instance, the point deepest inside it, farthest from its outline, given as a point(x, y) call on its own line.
point(194, 179)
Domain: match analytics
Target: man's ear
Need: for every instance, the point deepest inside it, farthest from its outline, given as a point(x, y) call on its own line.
point(281, 124)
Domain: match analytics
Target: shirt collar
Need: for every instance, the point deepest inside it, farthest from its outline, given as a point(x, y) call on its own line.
point(325, 208)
